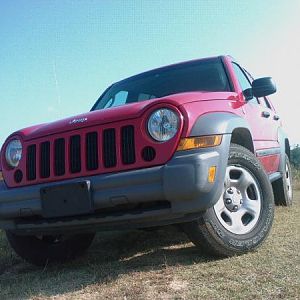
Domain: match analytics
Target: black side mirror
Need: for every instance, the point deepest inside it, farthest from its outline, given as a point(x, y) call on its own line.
point(262, 87)
point(248, 94)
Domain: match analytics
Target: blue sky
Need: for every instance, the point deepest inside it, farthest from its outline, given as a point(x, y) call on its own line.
point(57, 57)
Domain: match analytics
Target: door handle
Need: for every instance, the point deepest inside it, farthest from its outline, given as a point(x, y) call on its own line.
point(276, 117)
point(265, 114)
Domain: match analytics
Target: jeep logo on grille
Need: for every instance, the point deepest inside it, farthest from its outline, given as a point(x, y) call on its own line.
point(75, 121)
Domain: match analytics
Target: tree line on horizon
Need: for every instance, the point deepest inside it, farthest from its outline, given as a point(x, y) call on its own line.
point(295, 157)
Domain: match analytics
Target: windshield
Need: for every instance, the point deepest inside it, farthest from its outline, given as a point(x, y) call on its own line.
point(202, 75)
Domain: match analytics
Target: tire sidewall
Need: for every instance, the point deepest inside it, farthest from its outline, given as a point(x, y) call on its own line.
point(289, 200)
point(39, 252)
point(243, 158)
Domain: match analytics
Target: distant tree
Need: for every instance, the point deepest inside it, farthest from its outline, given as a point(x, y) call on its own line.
point(295, 156)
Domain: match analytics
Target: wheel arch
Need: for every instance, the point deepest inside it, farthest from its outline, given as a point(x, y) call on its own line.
point(284, 145)
point(233, 128)
point(243, 137)
point(225, 123)
point(287, 147)
point(280, 194)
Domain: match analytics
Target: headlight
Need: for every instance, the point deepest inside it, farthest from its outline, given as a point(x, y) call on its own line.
point(13, 153)
point(163, 124)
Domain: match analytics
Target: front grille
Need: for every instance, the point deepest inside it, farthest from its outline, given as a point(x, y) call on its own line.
point(45, 160)
point(128, 149)
point(59, 157)
point(81, 152)
point(31, 162)
point(109, 148)
point(75, 154)
point(91, 151)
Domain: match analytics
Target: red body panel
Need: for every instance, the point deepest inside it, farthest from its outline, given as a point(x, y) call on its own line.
point(264, 131)
point(164, 151)
point(189, 107)
point(116, 114)
point(270, 162)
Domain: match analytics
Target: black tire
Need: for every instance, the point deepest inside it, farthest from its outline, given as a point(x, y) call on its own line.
point(283, 187)
point(208, 232)
point(42, 250)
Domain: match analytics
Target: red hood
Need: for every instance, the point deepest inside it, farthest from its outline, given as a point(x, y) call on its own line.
point(129, 111)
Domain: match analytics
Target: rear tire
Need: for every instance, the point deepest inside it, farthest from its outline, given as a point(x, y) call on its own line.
point(283, 187)
point(242, 217)
point(41, 250)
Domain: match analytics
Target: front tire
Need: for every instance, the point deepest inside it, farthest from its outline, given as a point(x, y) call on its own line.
point(44, 249)
point(242, 217)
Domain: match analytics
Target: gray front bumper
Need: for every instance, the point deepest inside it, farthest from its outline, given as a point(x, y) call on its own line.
point(182, 182)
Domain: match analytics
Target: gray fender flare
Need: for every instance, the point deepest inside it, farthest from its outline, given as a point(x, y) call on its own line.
point(218, 123)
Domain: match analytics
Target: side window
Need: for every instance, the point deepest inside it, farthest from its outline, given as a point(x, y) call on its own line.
point(264, 102)
point(243, 81)
point(143, 96)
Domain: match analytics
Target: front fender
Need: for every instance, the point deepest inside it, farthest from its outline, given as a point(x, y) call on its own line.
point(218, 123)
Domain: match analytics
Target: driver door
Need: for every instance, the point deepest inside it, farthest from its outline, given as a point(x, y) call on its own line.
point(260, 117)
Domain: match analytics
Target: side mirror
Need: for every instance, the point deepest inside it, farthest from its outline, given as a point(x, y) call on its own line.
point(262, 87)
point(248, 94)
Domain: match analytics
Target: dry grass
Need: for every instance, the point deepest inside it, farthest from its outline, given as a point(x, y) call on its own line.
point(296, 178)
point(163, 265)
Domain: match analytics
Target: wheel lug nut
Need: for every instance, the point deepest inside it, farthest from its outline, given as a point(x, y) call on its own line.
point(241, 201)
point(230, 191)
point(228, 201)
point(235, 208)
point(238, 192)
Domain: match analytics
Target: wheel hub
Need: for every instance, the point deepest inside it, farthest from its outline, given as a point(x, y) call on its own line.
point(238, 209)
point(233, 199)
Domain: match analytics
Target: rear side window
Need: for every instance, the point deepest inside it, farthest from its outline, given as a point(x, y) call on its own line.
point(264, 101)
point(143, 97)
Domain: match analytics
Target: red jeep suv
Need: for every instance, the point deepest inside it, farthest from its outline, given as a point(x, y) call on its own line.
point(196, 143)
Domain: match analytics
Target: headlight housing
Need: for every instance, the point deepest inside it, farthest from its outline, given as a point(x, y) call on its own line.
point(13, 153)
point(163, 124)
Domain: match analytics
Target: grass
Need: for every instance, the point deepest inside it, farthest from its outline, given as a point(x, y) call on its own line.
point(296, 178)
point(163, 264)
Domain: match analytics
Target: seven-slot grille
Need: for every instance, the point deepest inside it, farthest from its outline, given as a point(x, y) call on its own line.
point(73, 147)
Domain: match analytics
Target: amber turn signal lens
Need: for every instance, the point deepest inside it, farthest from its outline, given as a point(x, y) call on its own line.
point(211, 174)
point(199, 142)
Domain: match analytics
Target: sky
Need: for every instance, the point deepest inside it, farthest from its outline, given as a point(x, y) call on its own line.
point(57, 57)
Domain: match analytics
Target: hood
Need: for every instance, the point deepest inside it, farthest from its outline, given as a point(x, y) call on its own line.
point(125, 112)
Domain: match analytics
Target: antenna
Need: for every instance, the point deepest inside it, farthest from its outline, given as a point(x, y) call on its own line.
point(57, 88)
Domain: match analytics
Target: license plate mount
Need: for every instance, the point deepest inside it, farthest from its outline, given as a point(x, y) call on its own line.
point(69, 199)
